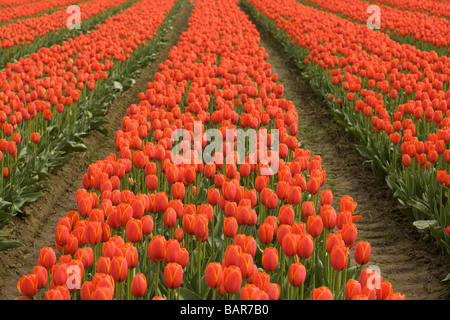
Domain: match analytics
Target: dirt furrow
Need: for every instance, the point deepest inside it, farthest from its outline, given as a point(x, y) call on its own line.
point(36, 226)
point(413, 265)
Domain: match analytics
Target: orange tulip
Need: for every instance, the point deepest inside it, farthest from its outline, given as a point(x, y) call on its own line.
point(156, 248)
point(322, 293)
point(28, 285)
point(119, 268)
point(297, 274)
point(232, 279)
point(173, 275)
point(139, 285)
point(305, 246)
point(133, 230)
point(214, 275)
point(352, 288)
point(250, 292)
point(362, 252)
point(230, 227)
point(269, 259)
point(314, 226)
point(339, 257)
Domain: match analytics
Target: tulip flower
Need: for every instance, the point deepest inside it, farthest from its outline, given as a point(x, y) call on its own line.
point(139, 285)
point(270, 259)
point(28, 285)
point(250, 292)
point(322, 293)
point(362, 252)
point(214, 275)
point(173, 275)
point(232, 279)
point(352, 288)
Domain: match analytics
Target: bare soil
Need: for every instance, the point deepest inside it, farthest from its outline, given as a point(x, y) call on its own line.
point(414, 266)
point(36, 226)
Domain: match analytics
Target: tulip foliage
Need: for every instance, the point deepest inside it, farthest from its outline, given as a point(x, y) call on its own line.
point(152, 223)
point(393, 98)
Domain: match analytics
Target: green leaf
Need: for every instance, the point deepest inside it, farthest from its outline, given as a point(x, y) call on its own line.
point(423, 224)
point(446, 278)
point(421, 207)
point(9, 244)
point(186, 294)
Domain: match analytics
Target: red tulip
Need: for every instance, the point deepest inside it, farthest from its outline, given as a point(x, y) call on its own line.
point(349, 233)
point(156, 248)
point(232, 279)
point(214, 275)
point(269, 259)
point(133, 230)
point(139, 285)
point(42, 275)
point(28, 285)
point(266, 233)
point(273, 291)
point(297, 274)
point(314, 226)
point(61, 235)
point(286, 214)
point(322, 293)
point(339, 257)
point(230, 227)
point(119, 268)
point(147, 224)
point(173, 275)
point(305, 246)
point(362, 252)
point(250, 292)
point(352, 288)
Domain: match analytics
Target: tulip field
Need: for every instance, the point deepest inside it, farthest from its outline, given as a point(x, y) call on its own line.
point(209, 192)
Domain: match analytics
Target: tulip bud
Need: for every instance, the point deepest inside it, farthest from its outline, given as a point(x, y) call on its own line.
point(269, 259)
point(339, 257)
point(173, 275)
point(305, 246)
point(230, 227)
point(297, 274)
point(322, 293)
point(232, 279)
point(119, 268)
point(156, 248)
point(139, 285)
point(314, 226)
point(214, 275)
point(362, 252)
point(352, 288)
point(28, 285)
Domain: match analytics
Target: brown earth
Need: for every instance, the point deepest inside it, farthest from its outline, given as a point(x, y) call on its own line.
point(36, 226)
point(414, 266)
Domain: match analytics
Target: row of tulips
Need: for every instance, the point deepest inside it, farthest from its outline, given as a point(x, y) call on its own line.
point(392, 97)
point(53, 98)
point(436, 8)
point(160, 225)
point(411, 27)
point(27, 36)
point(31, 9)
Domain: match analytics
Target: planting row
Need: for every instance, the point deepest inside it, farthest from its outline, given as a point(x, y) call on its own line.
point(53, 98)
point(434, 7)
point(208, 194)
point(25, 37)
point(432, 31)
point(31, 9)
point(393, 98)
